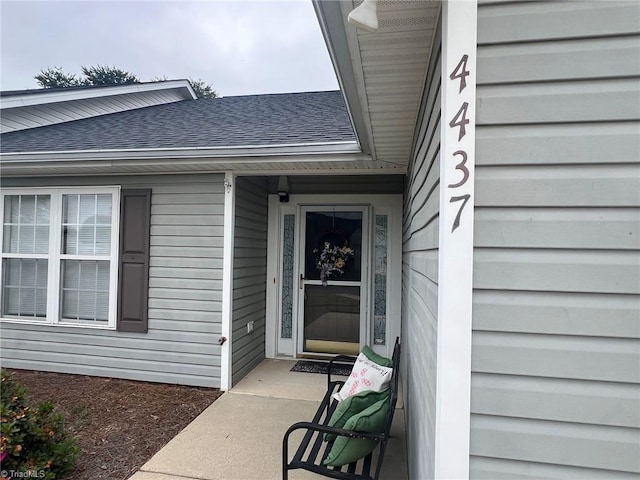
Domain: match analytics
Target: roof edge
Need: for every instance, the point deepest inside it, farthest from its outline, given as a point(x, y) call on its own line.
point(63, 95)
point(345, 147)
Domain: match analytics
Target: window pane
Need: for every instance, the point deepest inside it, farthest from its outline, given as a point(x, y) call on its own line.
point(26, 224)
point(12, 209)
point(26, 238)
point(85, 291)
point(86, 228)
point(103, 240)
point(24, 288)
point(70, 239)
point(70, 208)
point(104, 209)
point(86, 240)
point(87, 207)
point(28, 209)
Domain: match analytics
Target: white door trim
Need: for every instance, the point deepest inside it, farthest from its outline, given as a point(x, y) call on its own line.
point(386, 204)
point(455, 256)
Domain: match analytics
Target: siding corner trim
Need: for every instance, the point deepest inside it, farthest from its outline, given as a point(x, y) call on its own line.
point(455, 254)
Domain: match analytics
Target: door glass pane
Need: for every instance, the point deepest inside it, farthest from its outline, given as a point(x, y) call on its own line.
point(287, 275)
point(380, 296)
point(337, 229)
point(331, 314)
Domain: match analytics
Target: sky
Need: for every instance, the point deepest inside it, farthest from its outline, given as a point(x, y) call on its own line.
point(240, 47)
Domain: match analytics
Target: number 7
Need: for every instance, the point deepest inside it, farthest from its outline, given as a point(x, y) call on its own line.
point(465, 198)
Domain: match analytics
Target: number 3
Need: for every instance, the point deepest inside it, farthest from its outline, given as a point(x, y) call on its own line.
point(461, 166)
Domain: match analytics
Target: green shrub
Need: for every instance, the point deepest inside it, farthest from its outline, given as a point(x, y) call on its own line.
point(33, 439)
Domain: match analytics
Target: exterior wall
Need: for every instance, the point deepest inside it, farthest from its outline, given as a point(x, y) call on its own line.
point(341, 184)
point(420, 279)
point(185, 287)
point(249, 275)
point(556, 352)
point(20, 118)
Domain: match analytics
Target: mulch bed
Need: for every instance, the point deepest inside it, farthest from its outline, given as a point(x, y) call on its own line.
point(120, 424)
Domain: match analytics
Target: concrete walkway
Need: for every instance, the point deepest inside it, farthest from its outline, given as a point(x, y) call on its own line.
point(239, 437)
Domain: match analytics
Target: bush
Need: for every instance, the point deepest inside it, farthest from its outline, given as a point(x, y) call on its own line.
point(34, 443)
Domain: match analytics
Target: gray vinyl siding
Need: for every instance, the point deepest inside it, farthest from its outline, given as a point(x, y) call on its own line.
point(420, 279)
point(185, 292)
point(249, 275)
point(341, 184)
point(20, 118)
point(556, 311)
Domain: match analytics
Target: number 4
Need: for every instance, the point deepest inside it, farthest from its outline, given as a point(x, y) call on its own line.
point(461, 72)
point(461, 121)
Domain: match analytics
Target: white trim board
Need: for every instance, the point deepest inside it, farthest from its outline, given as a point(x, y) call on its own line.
point(455, 256)
point(226, 351)
point(44, 96)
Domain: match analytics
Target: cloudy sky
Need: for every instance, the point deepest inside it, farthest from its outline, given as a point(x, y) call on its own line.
point(240, 47)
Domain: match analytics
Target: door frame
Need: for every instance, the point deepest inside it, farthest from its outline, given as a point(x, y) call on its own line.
point(365, 280)
point(387, 204)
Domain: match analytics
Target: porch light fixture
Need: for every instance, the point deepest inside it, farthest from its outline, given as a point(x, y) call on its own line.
point(365, 16)
point(283, 189)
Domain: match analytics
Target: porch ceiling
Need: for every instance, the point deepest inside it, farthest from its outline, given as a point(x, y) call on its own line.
point(382, 73)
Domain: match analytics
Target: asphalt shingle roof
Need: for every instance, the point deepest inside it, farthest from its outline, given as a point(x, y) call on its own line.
point(274, 119)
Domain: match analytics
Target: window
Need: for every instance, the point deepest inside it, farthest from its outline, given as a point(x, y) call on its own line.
point(59, 256)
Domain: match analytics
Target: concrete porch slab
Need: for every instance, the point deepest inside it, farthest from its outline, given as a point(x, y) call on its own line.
point(239, 437)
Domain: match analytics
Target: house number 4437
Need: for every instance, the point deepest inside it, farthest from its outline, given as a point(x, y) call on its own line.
point(460, 121)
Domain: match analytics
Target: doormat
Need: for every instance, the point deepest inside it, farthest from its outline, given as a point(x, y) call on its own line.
point(310, 366)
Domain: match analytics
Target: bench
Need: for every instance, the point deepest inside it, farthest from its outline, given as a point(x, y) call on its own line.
point(313, 449)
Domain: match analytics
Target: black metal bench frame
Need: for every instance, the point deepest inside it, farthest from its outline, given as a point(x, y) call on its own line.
point(313, 450)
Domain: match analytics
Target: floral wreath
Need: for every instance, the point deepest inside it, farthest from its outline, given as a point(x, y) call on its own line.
point(331, 258)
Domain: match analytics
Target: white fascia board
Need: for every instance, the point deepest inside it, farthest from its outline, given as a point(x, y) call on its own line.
point(329, 148)
point(330, 17)
point(82, 93)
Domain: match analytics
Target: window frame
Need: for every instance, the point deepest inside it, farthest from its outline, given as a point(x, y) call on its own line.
point(54, 256)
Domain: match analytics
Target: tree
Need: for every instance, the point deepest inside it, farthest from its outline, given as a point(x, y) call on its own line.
point(55, 77)
point(100, 75)
point(202, 90)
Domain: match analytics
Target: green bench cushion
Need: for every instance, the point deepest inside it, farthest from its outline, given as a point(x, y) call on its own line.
point(352, 406)
point(345, 449)
point(374, 357)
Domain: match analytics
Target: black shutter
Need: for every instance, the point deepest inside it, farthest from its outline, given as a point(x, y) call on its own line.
point(133, 277)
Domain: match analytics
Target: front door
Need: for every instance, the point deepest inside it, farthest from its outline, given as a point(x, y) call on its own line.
point(332, 288)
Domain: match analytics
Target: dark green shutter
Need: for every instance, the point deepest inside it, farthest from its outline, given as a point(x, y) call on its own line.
point(133, 277)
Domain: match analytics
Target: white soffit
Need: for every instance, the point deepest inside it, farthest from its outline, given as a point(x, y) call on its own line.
point(389, 68)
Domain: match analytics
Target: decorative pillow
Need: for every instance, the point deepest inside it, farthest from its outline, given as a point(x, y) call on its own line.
point(365, 375)
point(374, 357)
point(345, 449)
point(351, 406)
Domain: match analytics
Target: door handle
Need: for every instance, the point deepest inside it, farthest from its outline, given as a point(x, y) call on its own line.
point(301, 281)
